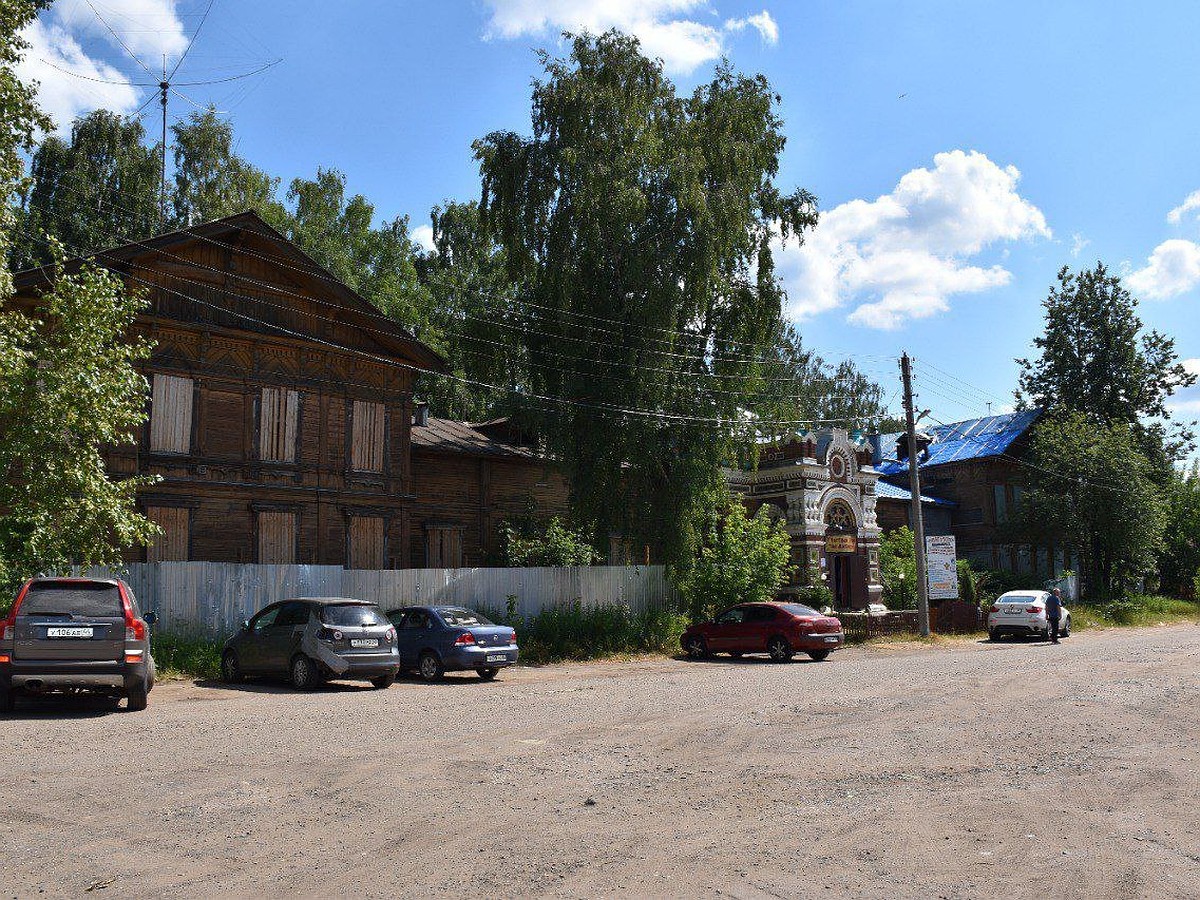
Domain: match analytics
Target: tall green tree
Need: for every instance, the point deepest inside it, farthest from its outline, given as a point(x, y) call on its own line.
point(1179, 562)
point(19, 121)
point(1090, 489)
point(97, 189)
point(1096, 358)
point(211, 180)
point(638, 224)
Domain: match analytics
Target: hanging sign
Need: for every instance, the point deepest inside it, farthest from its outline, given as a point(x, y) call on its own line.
point(941, 567)
point(841, 543)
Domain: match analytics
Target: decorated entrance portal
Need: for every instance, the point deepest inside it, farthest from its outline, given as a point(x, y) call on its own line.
point(824, 485)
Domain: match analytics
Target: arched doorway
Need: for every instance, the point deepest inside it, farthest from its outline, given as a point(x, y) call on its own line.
point(841, 551)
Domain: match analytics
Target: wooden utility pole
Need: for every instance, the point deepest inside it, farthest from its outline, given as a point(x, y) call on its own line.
point(914, 482)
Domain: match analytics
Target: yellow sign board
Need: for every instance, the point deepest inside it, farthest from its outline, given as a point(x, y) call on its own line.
point(841, 543)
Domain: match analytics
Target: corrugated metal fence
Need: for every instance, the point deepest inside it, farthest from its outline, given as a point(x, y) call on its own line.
point(215, 598)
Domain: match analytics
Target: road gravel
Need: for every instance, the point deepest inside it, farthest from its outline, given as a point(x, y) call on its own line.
point(962, 769)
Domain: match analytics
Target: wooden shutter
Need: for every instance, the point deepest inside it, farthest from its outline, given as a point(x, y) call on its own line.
point(279, 412)
point(444, 548)
point(367, 438)
point(172, 544)
point(276, 538)
point(171, 415)
point(366, 543)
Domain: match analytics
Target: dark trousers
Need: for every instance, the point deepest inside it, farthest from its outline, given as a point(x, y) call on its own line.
point(1054, 629)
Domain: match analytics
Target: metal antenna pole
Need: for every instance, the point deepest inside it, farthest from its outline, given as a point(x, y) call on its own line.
point(163, 86)
point(914, 481)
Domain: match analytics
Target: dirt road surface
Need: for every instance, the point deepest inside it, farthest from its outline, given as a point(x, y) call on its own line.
point(962, 770)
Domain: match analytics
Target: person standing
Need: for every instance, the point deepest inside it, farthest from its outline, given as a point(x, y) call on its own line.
point(1054, 613)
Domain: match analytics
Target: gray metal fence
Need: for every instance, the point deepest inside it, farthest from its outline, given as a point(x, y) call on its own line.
point(215, 598)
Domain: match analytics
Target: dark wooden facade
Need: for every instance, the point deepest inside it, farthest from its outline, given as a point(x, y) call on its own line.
point(281, 408)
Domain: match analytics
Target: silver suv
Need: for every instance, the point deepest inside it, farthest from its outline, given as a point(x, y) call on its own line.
point(76, 634)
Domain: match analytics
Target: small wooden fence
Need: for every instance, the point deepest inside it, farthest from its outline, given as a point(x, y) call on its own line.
point(951, 617)
point(214, 598)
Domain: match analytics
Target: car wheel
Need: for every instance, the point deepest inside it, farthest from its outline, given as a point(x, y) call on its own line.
point(429, 667)
point(8, 701)
point(994, 636)
point(695, 647)
point(231, 671)
point(137, 699)
point(383, 682)
point(487, 674)
point(305, 676)
point(818, 655)
point(780, 649)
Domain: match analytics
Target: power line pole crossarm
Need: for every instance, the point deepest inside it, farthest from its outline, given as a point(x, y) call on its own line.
point(914, 482)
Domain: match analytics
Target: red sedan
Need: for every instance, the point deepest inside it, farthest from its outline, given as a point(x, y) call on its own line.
point(780, 629)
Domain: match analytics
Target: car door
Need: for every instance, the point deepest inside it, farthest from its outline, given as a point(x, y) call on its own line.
point(409, 634)
point(281, 638)
point(250, 649)
point(752, 635)
point(726, 628)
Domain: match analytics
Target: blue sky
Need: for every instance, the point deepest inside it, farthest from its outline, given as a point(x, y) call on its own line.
point(962, 151)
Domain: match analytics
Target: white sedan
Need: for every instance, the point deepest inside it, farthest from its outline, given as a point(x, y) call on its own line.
point(1024, 613)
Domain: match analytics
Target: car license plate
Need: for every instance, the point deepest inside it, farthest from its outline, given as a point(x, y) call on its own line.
point(67, 632)
point(831, 640)
point(364, 642)
point(497, 657)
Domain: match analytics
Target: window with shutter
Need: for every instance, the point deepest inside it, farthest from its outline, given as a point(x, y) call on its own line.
point(366, 543)
point(444, 548)
point(172, 544)
point(278, 415)
point(276, 537)
point(367, 436)
point(171, 414)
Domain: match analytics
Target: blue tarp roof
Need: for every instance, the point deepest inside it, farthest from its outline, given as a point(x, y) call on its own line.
point(959, 441)
point(891, 492)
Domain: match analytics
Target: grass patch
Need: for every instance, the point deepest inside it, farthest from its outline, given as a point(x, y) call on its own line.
point(1136, 611)
point(577, 632)
point(185, 656)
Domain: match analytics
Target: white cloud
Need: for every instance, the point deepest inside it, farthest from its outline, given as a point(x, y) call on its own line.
point(1173, 269)
point(1192, 366)
point(763, 22)
point(1078, 242)
point(1190, 205)
point(905, 254)
point(422, 236)
point(151, 29)
point(62, 96)
point(667, 29)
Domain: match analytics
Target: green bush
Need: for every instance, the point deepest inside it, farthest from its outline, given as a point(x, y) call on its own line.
point(528, 544)
point(898, 568)
point(1135, 610)
point(576, 632)
point(186, 656)
point(814, 595)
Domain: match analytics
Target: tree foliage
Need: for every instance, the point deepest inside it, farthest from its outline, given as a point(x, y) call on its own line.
point(1179, 563)
point(68, 388)
point(1096, 359)
point(1089, 488)
point(555, 544)
point(744, 559)
point(638, 226)
point(898, 568)
point(211, 180)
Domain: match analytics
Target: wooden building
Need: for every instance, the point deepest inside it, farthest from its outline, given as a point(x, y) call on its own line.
point(281, 403)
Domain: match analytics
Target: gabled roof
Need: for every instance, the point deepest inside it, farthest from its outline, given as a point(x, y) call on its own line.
point(355, 311)
point(886, 491)
point(450, 436)
point(960, 441)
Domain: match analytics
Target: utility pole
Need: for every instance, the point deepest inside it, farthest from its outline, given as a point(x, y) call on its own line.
point(914, 482)
point(163, 87)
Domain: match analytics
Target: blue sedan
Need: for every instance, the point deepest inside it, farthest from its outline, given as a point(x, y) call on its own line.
point(433, 640)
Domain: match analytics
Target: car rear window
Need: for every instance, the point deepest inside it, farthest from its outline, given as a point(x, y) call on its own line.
point(461, 618)
point(350, 614)
point(799, 609)
point(72, 598)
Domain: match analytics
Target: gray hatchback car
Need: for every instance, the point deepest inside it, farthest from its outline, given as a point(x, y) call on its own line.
point(68, 635)
point(310, 640)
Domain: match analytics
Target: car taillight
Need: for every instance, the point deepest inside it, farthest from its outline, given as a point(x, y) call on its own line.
point(390, 635)
point(513, 639)
point(9, 631)
point(135, 631)
point(805, 624)
point(463, 639)
point(995, 608)
point(1033, 609)
point(5, 658)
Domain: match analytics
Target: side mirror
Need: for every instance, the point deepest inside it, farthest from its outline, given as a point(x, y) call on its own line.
point(150, 618)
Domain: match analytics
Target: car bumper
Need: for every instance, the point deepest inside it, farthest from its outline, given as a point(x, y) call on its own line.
point(1022, 628)
point(809, 642)
point(51, 675)
point(480, 658)
point(371, 665)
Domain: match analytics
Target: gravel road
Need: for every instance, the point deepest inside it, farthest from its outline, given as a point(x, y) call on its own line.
point(962, 770)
